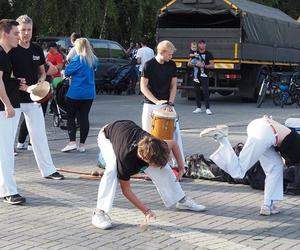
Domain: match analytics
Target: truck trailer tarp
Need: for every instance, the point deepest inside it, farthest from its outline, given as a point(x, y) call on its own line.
point(260, 24)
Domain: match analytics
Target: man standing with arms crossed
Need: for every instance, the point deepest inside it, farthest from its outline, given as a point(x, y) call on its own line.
point(159, 86)
point(9, 112)
point(28, 62)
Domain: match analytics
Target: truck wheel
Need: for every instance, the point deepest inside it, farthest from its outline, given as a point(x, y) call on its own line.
point(191, 95)
point(248, 100)
point(252, 78)
point(225, 92)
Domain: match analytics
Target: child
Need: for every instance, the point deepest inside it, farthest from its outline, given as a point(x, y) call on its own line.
point(194, 58)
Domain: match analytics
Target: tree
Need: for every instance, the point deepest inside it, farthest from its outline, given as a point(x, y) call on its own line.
point(121, 20)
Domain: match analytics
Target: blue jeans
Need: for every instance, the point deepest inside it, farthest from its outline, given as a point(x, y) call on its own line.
point(196, 69)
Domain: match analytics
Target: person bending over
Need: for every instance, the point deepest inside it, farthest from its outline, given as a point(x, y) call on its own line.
point(268, 142)
point(126, 149)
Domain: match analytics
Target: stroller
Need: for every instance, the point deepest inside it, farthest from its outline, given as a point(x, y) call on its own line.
point(122, 79)
point(58, 103)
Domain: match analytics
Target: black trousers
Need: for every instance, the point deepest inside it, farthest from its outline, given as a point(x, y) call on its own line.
point(81, 107)
point(204, 81)
point(23, 128)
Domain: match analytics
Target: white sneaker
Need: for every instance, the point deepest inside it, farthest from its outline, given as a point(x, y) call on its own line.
point(197, 110)
point(267, 210)
point(190, 204)
point(21, 146)
point(216, 133)
point(101, 220)
point(29, 147)
point(208, 112)
point(203, 75)
point(196, 80)
point(69, 147)
point(81, 149)
point(224, 128)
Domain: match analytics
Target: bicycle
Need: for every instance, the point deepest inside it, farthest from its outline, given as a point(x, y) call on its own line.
point(267, 86)
point(287, 94)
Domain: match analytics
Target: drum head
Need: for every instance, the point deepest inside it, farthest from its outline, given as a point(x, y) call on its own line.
point(164, 114)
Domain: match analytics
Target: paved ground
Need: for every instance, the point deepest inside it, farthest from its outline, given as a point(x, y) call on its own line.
point(57, 214)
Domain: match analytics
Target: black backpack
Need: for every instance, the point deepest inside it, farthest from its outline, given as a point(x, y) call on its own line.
point(255, 176)
point(291, 178)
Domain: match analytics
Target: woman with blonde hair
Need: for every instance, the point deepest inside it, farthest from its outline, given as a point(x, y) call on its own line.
point(81, 93)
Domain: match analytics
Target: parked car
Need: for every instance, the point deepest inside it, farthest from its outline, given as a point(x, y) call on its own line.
point(111, 55)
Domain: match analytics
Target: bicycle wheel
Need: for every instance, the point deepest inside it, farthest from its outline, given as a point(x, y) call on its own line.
point(262, 93)
point(297, 98)
point(277, 97)
point(56, 120)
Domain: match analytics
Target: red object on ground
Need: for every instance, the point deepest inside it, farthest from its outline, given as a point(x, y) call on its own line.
point(175, 171)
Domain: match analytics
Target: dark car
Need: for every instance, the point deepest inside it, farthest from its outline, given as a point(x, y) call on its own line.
point(110, 55)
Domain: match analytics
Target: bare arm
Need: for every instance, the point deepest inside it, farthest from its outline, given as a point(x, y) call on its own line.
point(211, 65)
point(52, 69)
point(9, 110)
point(173, 89)
point(127, 192)
point(42, 73)
point(128, 51)
point(147, 93)
point(138, 60)
point(59, 66)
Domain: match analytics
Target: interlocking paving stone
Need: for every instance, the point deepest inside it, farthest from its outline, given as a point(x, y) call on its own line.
point(57, 214)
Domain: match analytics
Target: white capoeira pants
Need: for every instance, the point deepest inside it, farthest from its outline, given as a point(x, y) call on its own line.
point(259, 146)
point(8, 130)
point(163, 178)
point(35, 123)
point(147, 123)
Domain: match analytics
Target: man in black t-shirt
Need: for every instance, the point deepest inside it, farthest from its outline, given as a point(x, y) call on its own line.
point(9, 113)
point(28, 62)
point(126, 149)
point(206, 63)
point(159, 86)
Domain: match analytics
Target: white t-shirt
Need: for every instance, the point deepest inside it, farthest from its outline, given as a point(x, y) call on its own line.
point(71, 54)
point(145, 53)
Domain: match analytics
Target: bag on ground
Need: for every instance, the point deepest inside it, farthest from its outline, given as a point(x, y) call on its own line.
point(291, 177)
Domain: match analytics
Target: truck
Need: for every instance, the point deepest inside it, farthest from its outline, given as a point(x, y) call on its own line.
point(247, 40)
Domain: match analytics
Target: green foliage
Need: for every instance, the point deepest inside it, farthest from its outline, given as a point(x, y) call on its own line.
point(290, 7)
point(121, 20)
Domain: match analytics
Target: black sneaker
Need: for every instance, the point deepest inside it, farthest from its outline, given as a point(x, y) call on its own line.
point(55, 176)
point(15, 199)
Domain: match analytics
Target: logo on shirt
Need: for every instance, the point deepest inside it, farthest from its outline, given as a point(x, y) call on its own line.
point(35, 58)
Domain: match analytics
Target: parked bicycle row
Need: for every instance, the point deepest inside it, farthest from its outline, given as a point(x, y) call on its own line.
point(283, 88)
